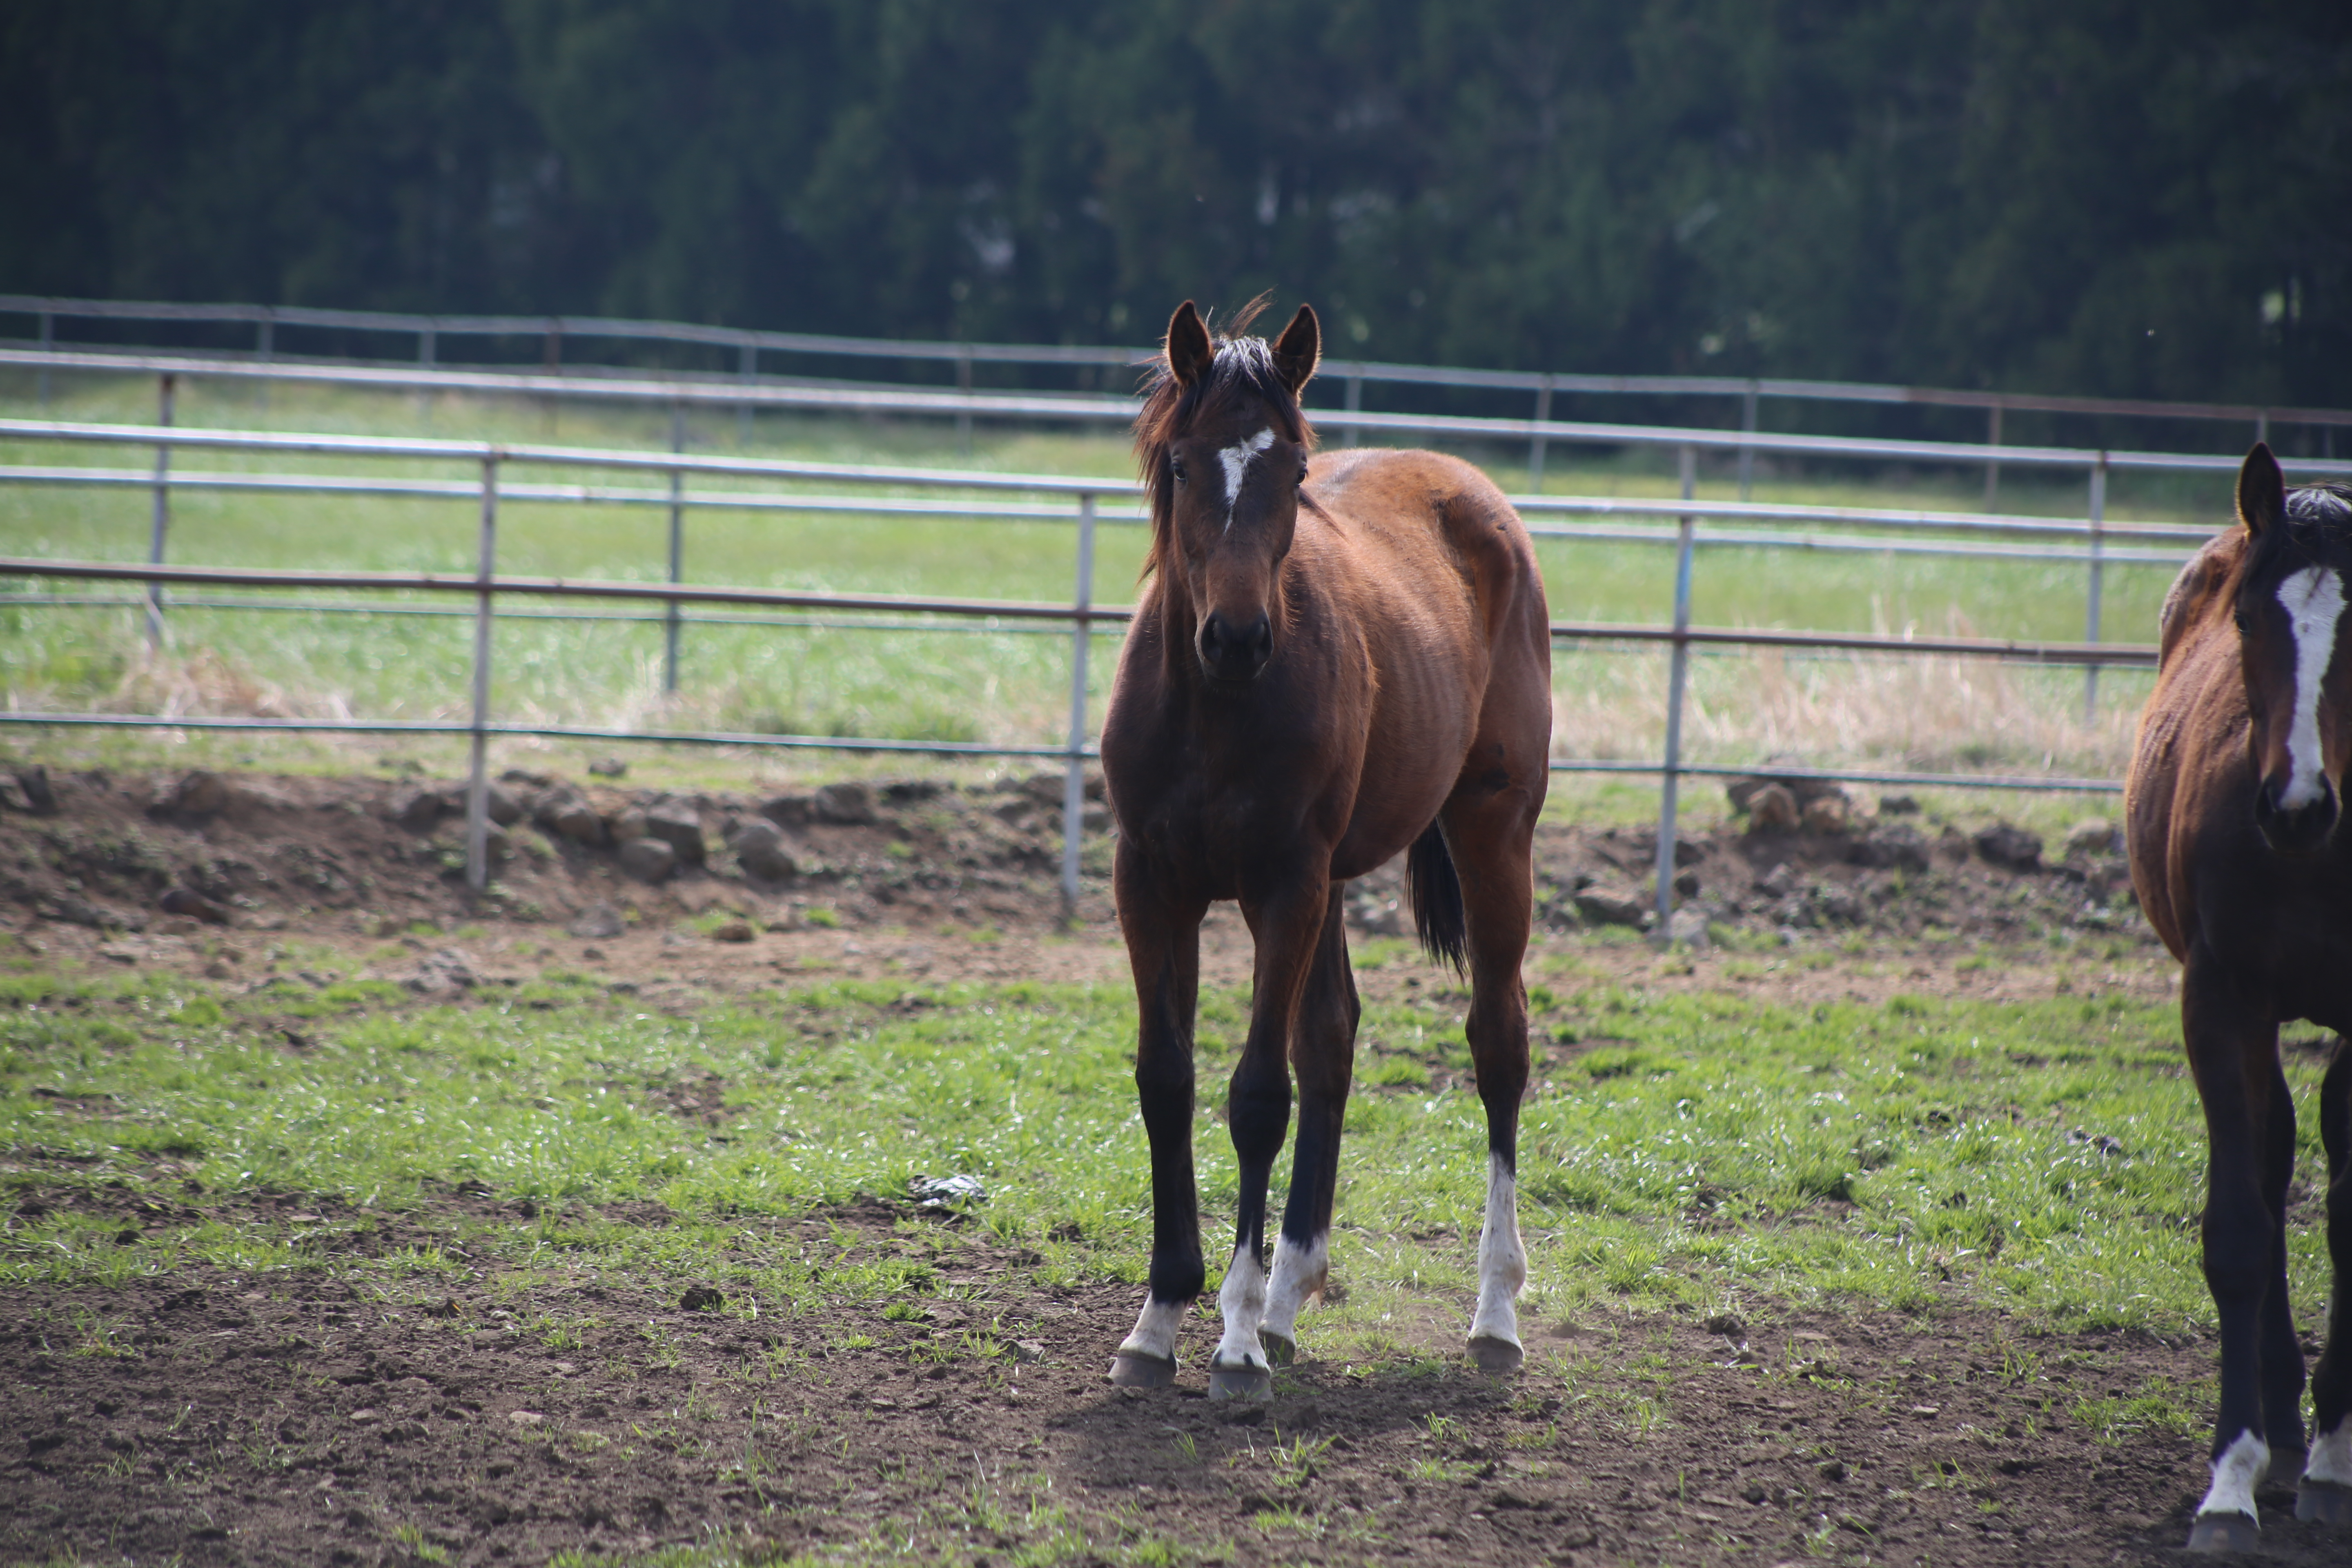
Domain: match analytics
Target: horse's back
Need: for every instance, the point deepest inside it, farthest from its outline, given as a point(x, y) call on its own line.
point(2191, 749)
point(1426, 530)
point(1450, 603)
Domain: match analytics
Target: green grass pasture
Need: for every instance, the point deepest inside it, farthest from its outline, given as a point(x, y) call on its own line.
point(1695, 1154)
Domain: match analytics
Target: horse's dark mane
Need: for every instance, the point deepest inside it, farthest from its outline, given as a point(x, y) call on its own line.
point(1242, 367)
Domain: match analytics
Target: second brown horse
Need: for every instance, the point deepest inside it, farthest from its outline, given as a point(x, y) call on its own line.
point(2235, 804)
point(1335, 658)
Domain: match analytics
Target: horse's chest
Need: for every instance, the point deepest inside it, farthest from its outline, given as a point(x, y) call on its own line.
point(1217, 838)
point(2294, 953)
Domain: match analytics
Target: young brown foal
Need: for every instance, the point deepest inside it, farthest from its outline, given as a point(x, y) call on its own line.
point(1332, 661)
point(2235, 805)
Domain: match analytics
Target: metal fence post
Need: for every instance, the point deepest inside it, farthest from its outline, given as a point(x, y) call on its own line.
point(1074, 786)
point(747, 366)
point(1355, 405)
point(263, 340)
point(1992, 468)
point(1678, 679)
point(1535, 446)
point(161, 523)
point(2263, 426)
point(677, 547)
point(963, 415)
point(1747, 428)
point(2091, 619)
point(477, 781)
point(48, 341)
point(425, 347)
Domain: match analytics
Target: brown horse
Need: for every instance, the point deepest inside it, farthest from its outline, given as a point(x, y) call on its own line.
point(2235, 804)
point(1334, 660)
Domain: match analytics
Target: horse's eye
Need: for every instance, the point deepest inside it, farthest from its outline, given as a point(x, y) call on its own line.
point(2243, 619)
point(1176, 468)
point(1302, 470)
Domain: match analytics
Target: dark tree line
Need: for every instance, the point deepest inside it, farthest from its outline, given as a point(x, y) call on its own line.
point(2138, 197)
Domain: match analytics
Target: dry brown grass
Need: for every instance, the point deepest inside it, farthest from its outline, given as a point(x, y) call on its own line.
point(203, 681)
point(1914, 713)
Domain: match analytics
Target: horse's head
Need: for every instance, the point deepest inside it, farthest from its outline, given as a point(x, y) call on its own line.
point(1223, 449)
point(2290, 607)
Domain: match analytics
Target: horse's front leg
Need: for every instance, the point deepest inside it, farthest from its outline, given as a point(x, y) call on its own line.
point(1163, 947)
point(2226, 1041)
point(1286, 922)
point(2325, 1494)
point(1322, 1052)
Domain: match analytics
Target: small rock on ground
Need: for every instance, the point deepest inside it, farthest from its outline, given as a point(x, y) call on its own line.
point(647, 859)
point(597, 921)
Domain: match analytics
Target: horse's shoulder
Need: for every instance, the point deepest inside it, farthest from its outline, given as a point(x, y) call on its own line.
point(2199, 587)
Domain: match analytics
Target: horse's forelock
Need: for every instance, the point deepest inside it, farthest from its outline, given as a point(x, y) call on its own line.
point(2325, 508)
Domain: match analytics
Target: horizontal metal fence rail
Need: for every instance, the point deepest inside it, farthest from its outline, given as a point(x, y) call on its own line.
point(1085, 619)
point(996, 511)
point(1031, 407)
point(2028, 649)
point(554, 330)
point(1582, 506)
point(557, 588)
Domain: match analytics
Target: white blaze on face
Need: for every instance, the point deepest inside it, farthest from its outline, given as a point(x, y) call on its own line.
point(1502, 1259)
point(1235, 461)
point(2314, 601)
point(1242, 1299)
point(2236, 1473)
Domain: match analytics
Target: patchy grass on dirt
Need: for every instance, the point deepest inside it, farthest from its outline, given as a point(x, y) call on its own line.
point(1679, 1151)
point(314, 1267)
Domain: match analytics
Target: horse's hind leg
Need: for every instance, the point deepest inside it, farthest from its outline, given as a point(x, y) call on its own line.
point(1322, 1055)
point(1163, 947)
point(1491, 837)
point(2325, 1494)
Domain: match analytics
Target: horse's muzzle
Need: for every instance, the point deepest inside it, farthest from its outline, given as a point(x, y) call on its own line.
point(1232, 654)
point(2298, 829)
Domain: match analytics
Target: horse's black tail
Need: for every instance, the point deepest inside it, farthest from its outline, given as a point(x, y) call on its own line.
point(1437, 914)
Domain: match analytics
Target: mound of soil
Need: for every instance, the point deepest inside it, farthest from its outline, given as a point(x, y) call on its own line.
point(125, 853)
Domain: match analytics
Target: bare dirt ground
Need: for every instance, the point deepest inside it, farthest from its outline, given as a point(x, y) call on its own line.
point(291, 1420)
point(295, 1422)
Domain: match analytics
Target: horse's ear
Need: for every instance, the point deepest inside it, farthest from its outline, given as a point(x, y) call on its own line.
point(2262, 490)
point(1298, 350)
point(1189, 352)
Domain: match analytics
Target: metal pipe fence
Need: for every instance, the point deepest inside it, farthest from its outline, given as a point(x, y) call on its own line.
point(1084, 618)
point(552, 331)
point(1031, 407)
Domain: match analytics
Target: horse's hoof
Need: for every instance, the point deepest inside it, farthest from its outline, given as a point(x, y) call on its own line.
point(2323, 1502)
point(2225, 1533)
point(1133, 1369)
point(1498, 1358)
point(1280, 1349)
point(1255, 1384)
